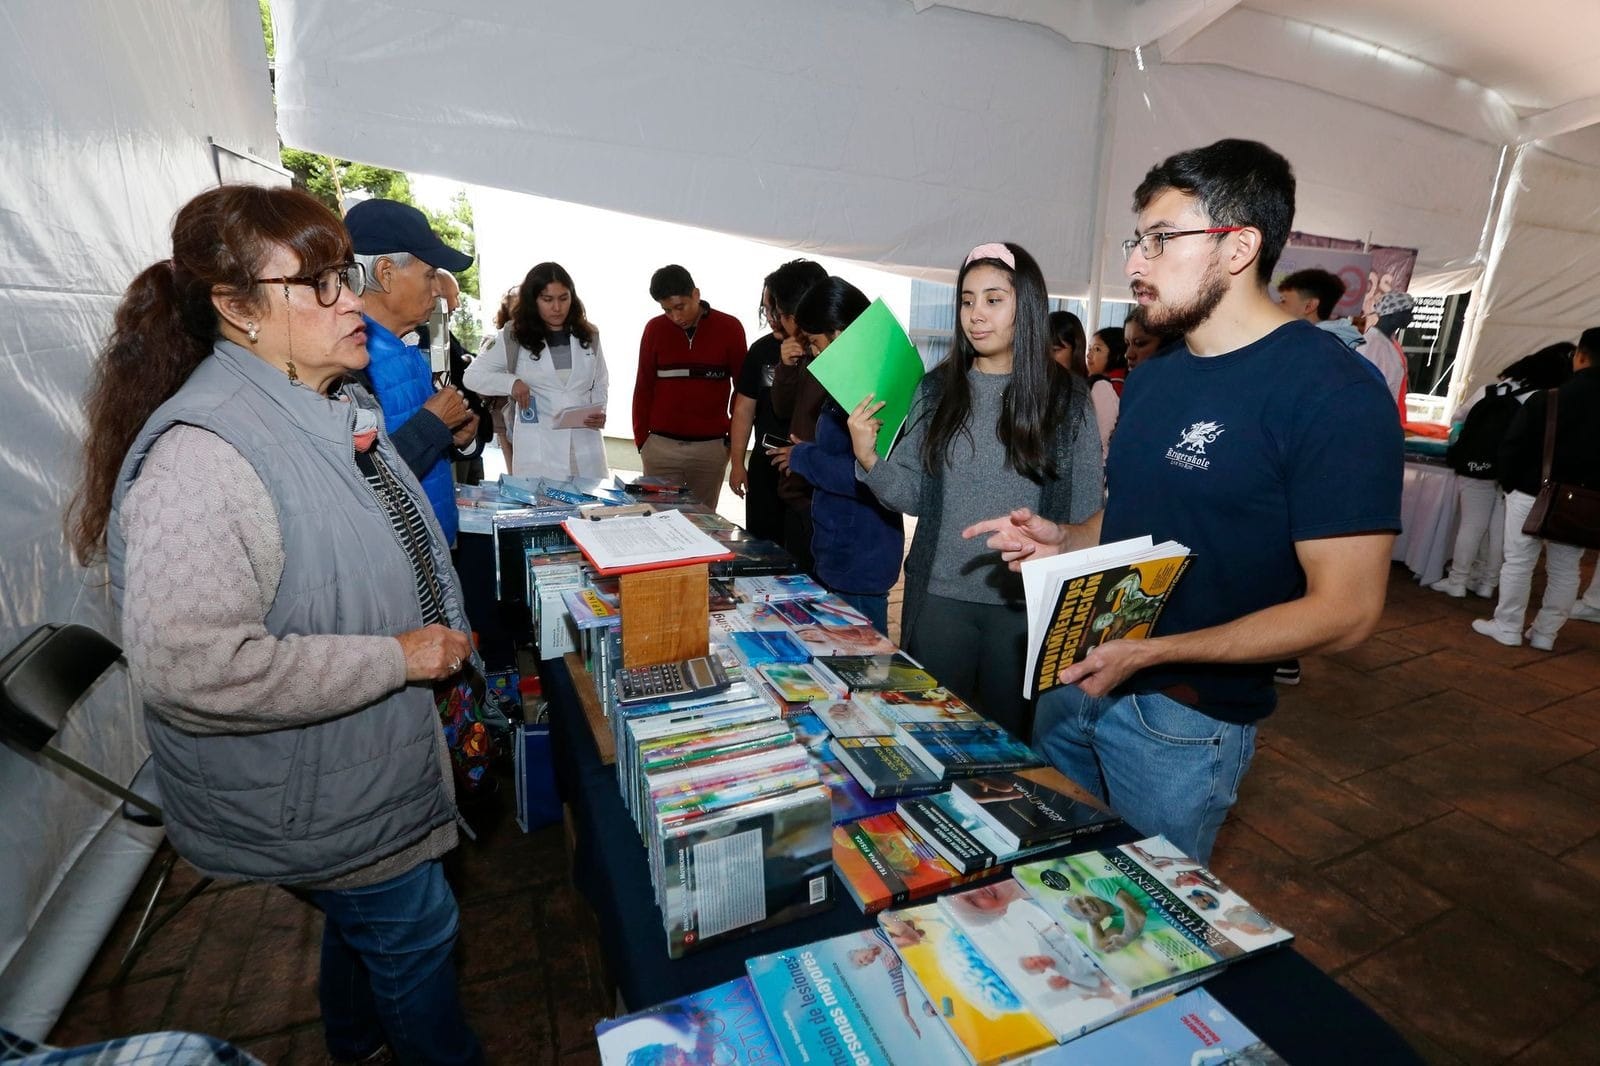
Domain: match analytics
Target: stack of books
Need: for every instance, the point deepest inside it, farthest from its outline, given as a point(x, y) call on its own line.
point(994, 974)
point(979, 824)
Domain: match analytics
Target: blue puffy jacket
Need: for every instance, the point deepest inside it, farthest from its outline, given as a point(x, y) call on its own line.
point(402, 379)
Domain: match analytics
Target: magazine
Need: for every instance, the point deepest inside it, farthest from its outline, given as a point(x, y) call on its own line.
point(849, 992)
point(1082, 599)
point(723, 1025)
point(1191, 1029)
point(1149, 916)
point(983, 1012)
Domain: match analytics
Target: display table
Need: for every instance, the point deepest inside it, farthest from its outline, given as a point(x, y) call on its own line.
point(1427, 519)
point(1293, 1006)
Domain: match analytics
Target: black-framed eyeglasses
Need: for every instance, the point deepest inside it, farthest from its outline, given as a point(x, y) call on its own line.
point(1151, 245)
point(328, 283)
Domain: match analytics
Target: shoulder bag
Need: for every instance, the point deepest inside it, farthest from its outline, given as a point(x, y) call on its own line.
point(1566, 514)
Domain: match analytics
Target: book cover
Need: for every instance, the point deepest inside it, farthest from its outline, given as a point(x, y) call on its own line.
point(794, 613)
point(966, 748)
point(1048, 970)
point(932, 705)
point(982, 836)
point(850, 801)
point(885, 767)
point(760, 648)
point(588, 609)
point(1136, 926)
point(1191, 1029)
point(758, 865)
point(832, 611)
point(934, 820)
point(843, 640)
point(878, 673)
point(762, 618)
point(847, 999)
point(882, 863)
point(722, 1025)
point(982, 1011)
point(849, 718)
point(797, 683)
point(1081, 600)
point(1030, 807)
point(777, 588)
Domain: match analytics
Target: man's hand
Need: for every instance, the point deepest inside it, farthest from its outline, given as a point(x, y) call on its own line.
point(468, 432)
point(449, 406)
point(520, 393)
point(864, 427)
point(1020, 535)
point(433, 652)
point(738, 477)
point(1110, 664)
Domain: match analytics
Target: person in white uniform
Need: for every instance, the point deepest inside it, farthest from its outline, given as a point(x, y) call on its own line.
point(548, 360)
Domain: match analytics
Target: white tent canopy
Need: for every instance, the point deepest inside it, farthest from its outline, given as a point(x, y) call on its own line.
point(901, 132)
point(898, 132)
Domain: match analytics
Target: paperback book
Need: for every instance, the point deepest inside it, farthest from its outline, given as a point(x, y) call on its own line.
point(960, 839)
point(885, 767)
point(758, 648)
point(1047, 969)
point(894, 672)
point(1083, 599)
point(850, 801)
point(843, 640)
point(847, 999)
point(851, 718)
point(777, 588)
point(1031, 807)
point(882, 863)
point(1148, 915)
point(796, 682)
point(963, 749)
point(1190, 1029)
point(932, 705)
point(984, 1013)
point(724, 1025)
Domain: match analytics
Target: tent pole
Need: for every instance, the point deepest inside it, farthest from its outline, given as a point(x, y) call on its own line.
point(1097, 239)
point(1502, 208)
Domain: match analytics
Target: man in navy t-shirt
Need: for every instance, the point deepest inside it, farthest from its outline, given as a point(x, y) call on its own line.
point(1264, 446)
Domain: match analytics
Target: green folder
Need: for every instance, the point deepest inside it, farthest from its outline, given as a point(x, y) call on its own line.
point(873, 355)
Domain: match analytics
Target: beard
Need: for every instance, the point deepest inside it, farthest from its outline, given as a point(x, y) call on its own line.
point(1176, 319)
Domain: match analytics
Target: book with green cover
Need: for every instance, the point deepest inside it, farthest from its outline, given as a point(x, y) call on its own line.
point(873, 355)
point(895, 672)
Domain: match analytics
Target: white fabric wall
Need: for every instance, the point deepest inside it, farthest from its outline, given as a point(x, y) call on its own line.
point(105, 110)
point(854, 128)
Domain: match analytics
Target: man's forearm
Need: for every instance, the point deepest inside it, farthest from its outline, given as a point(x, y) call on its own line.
point(1085, 534)
point(421, 440)
point(1304, 626)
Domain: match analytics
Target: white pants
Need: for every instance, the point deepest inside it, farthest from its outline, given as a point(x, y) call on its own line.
point(1591, 595)
point(1479, 540)
point(1516, 575)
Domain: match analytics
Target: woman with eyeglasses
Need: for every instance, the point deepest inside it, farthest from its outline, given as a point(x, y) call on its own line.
point(547, 359)
point(287, 603)
point(998, 421)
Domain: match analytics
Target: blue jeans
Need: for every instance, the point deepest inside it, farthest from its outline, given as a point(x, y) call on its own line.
point(1162, 765)
point(387, 974)
point(875, 607)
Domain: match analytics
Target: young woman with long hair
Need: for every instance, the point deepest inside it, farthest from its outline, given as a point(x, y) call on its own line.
point(997, 422)
point(547, 359)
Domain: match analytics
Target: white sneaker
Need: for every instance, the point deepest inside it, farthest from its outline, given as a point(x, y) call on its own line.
point(1449, 588)
point(1487, 628)
point(1487, 591)
point(1541, 642)
point(1584, 613)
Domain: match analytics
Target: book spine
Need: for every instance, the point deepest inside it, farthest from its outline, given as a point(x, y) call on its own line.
point(966, 804)
point(952, 842)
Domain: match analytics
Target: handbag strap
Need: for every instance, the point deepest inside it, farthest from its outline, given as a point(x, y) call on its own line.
point(1549, 435)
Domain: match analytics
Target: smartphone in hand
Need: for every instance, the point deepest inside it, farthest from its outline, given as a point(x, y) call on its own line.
point(771, 441)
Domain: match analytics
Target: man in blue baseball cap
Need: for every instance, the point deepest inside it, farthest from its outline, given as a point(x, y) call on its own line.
point(403, 257)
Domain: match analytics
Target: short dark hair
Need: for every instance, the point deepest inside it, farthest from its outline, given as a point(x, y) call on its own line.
point(1066, 331)
point(1238, 183)
point(1589, 343)
point(792, 281)
point(830, 305)
point(1314, 281)
point(671, 280)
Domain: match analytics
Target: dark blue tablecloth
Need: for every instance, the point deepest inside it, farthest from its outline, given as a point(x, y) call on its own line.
point(1296, 1008)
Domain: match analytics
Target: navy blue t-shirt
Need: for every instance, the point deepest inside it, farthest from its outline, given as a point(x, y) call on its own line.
point(1239, 456)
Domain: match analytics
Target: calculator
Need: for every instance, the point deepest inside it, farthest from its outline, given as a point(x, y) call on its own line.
point(671, 681)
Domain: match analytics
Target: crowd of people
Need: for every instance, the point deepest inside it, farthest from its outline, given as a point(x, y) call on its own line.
point(269, 474)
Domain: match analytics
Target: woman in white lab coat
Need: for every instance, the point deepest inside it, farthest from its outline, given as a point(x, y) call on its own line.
point(548, 360)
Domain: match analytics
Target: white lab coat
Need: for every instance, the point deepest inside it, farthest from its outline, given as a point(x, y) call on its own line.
point(537, 449)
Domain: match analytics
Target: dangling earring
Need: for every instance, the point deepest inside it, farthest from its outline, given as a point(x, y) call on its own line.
point(251, 332)
point(294, 378)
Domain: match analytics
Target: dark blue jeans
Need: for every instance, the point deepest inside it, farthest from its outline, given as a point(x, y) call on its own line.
point(387, 974)
point(875, 607)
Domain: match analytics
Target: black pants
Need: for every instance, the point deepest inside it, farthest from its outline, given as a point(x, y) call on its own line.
point(978, 651)
point(763, 511)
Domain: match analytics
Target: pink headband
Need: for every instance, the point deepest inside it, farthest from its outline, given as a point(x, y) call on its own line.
point(991, 251)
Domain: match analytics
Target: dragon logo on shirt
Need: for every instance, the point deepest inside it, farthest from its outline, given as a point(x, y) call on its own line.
point(1190, 452)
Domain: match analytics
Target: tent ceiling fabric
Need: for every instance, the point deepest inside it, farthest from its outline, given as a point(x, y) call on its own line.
point(856, 128)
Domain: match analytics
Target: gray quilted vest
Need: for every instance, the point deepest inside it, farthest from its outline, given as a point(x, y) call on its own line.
point(311, 803)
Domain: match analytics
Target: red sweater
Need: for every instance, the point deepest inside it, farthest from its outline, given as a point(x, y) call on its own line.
point(684, 385)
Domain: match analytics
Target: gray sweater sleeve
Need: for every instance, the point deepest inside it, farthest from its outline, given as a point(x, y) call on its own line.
point(1088, 471)
point(897, 480)
point(204, 557)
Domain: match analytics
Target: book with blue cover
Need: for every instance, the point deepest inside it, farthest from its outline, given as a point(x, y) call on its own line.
point(966, 749)
point(722, 1025)
point(759, 648)
point(847, 999)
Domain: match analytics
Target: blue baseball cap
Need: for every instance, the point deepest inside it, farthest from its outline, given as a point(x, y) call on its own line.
point(378, 227)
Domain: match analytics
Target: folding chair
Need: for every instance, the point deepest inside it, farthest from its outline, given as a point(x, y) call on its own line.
point(42, 679)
